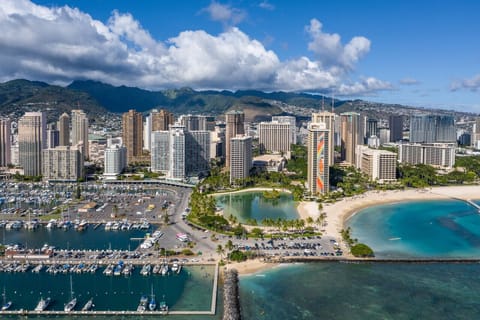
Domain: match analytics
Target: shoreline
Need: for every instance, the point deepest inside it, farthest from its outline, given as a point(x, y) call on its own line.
point(338, 213)
point(250, 190)
point(250, 267)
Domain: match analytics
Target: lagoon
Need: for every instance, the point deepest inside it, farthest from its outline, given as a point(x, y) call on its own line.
point(252, 205)
point(419, 229)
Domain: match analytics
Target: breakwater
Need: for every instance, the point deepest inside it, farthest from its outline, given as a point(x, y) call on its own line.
point(231, 298)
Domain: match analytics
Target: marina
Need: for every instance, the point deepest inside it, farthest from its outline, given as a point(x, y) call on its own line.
point(65, 235)
point(187, 292)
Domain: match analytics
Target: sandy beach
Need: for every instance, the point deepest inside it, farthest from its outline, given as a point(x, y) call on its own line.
point(339, 212)
point(250, 190)
point(250, 266)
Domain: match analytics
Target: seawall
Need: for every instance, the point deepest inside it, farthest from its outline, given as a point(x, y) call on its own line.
point(231, 298)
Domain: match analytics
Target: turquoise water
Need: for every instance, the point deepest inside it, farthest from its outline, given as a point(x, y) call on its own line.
point(363, 291)
point(443, 229)
point(70, 239)
point(189, 290)
point(252, 205)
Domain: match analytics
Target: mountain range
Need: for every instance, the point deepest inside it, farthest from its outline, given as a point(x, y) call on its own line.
point(97, 98)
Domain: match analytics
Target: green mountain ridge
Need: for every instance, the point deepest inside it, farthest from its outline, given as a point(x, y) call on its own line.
point(97, 98)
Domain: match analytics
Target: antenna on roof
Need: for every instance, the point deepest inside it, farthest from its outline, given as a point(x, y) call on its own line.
point(323, 103)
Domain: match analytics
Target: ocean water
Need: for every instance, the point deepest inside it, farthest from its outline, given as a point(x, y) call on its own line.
point(90, 238)
point(191, 290)
point(419, 229)
point(252, 205)
point(363, 291)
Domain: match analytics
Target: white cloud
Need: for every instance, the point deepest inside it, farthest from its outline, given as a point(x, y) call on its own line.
point(330, 51)
point(266, 5)
point(224, 13)
point(472, 84)
point(61, 44)
point(364, 87)
point(409, 81)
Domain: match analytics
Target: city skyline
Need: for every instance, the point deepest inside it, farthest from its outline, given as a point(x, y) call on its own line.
point(391, 52)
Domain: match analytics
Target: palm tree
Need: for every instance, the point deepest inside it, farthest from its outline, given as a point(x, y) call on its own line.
point(220, 250)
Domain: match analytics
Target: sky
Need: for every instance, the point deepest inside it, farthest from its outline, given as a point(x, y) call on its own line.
point(419, 53)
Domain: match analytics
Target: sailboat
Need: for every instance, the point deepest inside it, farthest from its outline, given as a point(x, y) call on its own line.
point(43, 304)
point(6, 305)
point(163, 307)
point(73, 302)
point(89, 305)
point(152, 305)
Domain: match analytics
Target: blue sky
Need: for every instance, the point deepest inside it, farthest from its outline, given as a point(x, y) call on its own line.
point(422, 53)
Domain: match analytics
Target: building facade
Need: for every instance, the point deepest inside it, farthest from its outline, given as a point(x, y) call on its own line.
point(395, 124)
point(441, 155)
point(351, 136)
point(32, 139)
point(176, 153)
point(80, 131)
point(197, 152)
point(293, 125)
point(132, 126)
point(161, 120)
point(64, 130)
point(318, 181)
point(432, 129)
point(379, 165)
point(235, 121)
point(240, 158)
point(115, 160)
point(63, 163)
point(160, 151)
point(275, 137)
point(329, 119)
point(5, 142)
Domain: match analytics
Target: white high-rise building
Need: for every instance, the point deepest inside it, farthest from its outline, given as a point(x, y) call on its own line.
point(379, 165)
point(176, 152)
point(147, 133)
point(32, 139)
point(193, 122)
point(80, 131)
point(160, 151)
point(435, 154)
point(63, 163)
point(384, 135)
point(318, 142)
point(180, 153)
point(5, 142)
point(115, 160)
point(275, 137)
point(240, 157)
point(293, 125)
